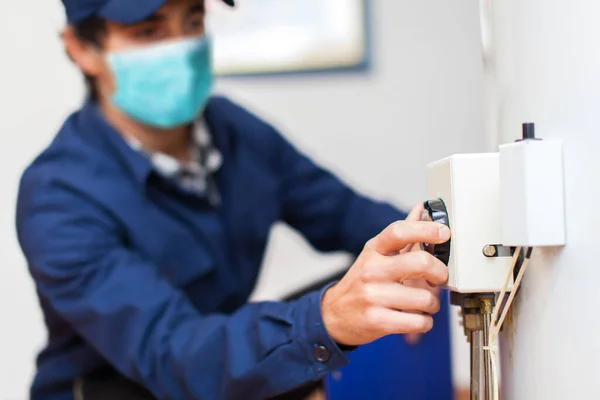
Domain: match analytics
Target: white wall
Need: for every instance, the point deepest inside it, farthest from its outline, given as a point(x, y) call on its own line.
point(421, 102)
point(548, 71)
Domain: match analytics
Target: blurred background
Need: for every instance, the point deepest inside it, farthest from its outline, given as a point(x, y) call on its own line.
point(420, 98)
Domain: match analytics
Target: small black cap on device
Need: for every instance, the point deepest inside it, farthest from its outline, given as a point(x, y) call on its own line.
point(528, 130)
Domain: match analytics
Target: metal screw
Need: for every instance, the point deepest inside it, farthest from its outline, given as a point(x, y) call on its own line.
point(486, 306)
point(489, 251)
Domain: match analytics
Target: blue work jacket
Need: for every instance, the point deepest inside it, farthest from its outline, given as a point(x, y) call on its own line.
point(135, 273)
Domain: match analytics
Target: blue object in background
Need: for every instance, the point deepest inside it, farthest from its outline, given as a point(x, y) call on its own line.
point(392, 369)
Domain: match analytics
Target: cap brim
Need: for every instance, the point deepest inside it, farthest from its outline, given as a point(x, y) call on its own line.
point(131, 12)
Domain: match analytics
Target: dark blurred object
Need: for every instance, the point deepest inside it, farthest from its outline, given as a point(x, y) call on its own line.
point(314, 286)
point(109, 385)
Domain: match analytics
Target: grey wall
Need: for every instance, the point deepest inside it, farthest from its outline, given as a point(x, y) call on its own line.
point(551, 77)
point(420, 102)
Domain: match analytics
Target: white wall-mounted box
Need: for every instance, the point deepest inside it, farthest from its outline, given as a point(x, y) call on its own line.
point(532, 204)
point(469, 185)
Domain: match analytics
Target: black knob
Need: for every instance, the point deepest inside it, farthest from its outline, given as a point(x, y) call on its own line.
point(435, 210)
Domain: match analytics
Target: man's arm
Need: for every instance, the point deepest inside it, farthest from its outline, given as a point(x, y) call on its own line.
point(323, 208)
point(329, 213)
point(146, 328)
point(326, 211)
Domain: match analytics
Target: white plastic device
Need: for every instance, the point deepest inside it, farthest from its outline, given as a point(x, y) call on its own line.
point(532, 193)
point(469, 185)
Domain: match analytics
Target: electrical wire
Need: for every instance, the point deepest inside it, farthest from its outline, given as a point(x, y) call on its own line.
point(491, 344)
point(491, 348)
point(513, 293)
point(496, 324)
point(509, 275)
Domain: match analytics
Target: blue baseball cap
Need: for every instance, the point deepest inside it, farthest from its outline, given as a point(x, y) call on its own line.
point(121, 11)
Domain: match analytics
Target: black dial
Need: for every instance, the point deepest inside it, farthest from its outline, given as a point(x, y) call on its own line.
point(435, 210)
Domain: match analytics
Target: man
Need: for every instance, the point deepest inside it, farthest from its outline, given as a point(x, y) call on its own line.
point(144, 224)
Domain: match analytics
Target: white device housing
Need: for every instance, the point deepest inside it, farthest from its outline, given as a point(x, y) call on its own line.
point(469, 186)
point(532, 193)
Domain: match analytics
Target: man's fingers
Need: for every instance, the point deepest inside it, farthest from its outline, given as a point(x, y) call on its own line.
point(416, 213)
point(411, 265)
point(397, 322)
point(399, 234)
point(423, 284)
point(412, 338)
point(410, 247)
point(420, 265)
point(399, 297)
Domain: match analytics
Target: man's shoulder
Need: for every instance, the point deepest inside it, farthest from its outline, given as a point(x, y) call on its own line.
point(225, 111)
point(62, 152)
point(231, 122)
point(69, 160)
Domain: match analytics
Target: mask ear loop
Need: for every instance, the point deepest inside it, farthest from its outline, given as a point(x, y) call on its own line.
point(103, 88)
point(98, 53)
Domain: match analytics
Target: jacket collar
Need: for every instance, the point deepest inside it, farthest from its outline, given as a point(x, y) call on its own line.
point(109, 139)
point(112, 142)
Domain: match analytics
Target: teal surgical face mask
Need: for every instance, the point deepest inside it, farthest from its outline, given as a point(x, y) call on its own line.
point(165, 85)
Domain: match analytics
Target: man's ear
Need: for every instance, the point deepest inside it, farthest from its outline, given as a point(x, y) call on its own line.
point(84, 54)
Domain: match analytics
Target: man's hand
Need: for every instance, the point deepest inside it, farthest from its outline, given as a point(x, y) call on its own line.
point(416, 215)
point(415, 338)
point(371, 300)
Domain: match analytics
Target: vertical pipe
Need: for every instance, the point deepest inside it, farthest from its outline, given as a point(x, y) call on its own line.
point(477, 379)
point(487, 360)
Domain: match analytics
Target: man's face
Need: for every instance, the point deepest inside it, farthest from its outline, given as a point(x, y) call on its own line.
point(177, 19)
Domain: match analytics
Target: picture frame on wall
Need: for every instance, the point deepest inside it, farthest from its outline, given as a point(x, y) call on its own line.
point(260, 37)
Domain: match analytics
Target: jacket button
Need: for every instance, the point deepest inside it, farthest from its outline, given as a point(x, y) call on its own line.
point(321, 354)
